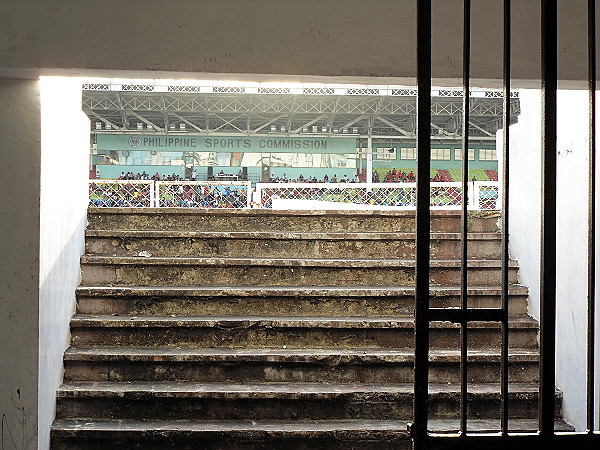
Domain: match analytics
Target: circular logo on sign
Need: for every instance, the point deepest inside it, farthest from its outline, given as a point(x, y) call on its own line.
point(135, 141)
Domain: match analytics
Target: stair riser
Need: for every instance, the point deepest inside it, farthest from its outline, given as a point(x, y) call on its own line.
point(283, 248)
point(224, 407)
point(271, 337)
point(289, 372)
point(169, 275)
point(232, 440)
point(282, 306)
point(162, 219)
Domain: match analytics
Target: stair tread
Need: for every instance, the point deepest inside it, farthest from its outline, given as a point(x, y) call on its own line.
point(305, 355)
point(224, 291)
point(273, 212)
point(80, 320)
point(291, 235)
point(290, 262)
point(285, 427)
point(184, 389)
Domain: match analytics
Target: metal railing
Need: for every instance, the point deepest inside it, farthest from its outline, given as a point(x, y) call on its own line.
point(482, 195)
point(203, 194)
point(116, 193)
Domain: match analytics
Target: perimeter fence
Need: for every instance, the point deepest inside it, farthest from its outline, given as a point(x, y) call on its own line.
point(481, 195)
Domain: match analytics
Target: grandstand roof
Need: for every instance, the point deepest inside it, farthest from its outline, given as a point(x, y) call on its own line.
point(208, 108)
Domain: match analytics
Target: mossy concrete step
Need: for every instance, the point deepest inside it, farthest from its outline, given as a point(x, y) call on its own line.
point(165, 271)
point(283, 244)
point(289, 365)
point(238, 435)
point(230, 435)
point(296, 301)
point(283, 401)
point(286, 332)
point(188, 219)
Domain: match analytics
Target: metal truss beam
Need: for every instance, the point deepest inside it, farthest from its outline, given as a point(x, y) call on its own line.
point(146, 121)
point(251, 113)
point(164, 112)
point(256, 130)
point(106, 121)
point(310, 122)
point(392, 125)
point(187, 122)
point(483, 130)
point(228, 122)
point(122, 110)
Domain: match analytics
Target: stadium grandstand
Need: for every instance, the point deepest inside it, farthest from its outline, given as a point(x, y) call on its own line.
point(287, 132)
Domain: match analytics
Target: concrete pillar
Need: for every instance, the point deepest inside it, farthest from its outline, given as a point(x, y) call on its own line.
point(19, 264)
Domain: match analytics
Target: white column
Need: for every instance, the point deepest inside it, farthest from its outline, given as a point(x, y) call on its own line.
point(63, 206)
point(369, 159)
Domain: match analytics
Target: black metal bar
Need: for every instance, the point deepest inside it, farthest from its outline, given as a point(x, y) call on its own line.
point(423, 217)
point(464, 215)
point(548, 228)
point(591, 307)
point(505, 217)
point(459, 315)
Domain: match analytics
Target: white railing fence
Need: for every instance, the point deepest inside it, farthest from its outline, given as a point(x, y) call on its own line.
point(482, 195)
point(203, 194)
point(115, 193)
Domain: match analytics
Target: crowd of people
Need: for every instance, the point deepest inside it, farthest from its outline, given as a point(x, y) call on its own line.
point(146, 176)
point(312, 179)
point(392, 176)
point(397, 176)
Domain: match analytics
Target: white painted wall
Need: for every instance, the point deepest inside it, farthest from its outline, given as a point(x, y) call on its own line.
point(524, 191)
point(65, 142)
point(571, 277)
point(572, 213)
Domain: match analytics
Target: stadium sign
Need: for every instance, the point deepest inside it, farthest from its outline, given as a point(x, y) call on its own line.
point(225, 143)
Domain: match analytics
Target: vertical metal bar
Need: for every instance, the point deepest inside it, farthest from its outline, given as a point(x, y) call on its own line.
point(591, 307)
point(421, 374)
point(505, 216)
point(464, 216)
point(548, 228)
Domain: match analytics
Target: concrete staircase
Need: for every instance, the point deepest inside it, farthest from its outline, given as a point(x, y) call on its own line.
point(236, 329)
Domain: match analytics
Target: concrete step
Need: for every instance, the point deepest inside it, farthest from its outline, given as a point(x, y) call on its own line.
point(283, 244)
point(296, 301)
point(236, 435)
point(282, 401)
point(186, 219)
point(289, 365)
point(285, 332)
point(165, 271)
